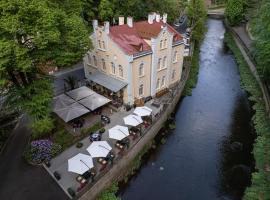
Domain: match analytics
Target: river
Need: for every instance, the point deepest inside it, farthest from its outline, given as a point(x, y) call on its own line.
point(196, 161)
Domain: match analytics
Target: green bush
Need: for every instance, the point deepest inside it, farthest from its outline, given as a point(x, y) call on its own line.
point(259, 189)
point(63, 138)
point(234, 11)
point(94, 128)
point(41, 128)
point(109, 194)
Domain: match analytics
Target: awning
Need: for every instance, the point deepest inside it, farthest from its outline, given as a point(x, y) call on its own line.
point(106, 81)
point(80, 93)
point(71, 112)
point(62, 101)
point(94, 101)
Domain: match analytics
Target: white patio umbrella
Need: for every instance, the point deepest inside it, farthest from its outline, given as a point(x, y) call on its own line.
point(118, 132)
point(99, 149)
point(133, 120)
point(80, 163)
point(143, 111)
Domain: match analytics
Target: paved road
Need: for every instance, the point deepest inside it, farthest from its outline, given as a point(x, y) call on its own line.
point(20, 181)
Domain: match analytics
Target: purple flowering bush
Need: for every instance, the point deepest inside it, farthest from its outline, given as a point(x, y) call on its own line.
point(42, 150)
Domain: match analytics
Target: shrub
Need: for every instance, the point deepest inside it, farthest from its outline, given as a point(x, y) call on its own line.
point(109, 194)
point(235, 11)
point(63, 138)
point(42, 128)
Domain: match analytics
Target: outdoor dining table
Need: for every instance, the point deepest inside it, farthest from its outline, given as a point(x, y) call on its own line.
point(95, 137)
point(103, 163)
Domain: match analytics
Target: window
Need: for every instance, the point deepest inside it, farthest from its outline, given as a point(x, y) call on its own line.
point(159, 63)
point(165, 43)
point(163, 81)
point(99, 44)
point(103, 44)
point(161, 44)
point(103, 64)
point(141, 70)
point(173, 74)
point(164, 62)
point(175, 56)
point(120, 71)
point(113, 68)
point(158, 82)
point(95, 60)
point(89, 59)
point(141, 90)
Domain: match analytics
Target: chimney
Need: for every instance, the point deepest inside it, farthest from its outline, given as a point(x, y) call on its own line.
point(107, 27)
point(164, 18)
point(130, 22)
point(121, 20)
point(157, 17)
point(150, 18)
point(95, 24)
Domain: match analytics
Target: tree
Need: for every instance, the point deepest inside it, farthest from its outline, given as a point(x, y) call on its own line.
point(234, 11)
point(106, 10)
point(261, 44)
point(197, 16)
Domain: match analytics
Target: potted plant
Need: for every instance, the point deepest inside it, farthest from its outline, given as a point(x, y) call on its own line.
point(79, 145)
point(102, 130)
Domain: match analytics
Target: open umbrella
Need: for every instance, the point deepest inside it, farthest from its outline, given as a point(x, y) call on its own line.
point(80, 163)
point(143, 111)
point(133, 120)
point(118, 132)
point(99, 149)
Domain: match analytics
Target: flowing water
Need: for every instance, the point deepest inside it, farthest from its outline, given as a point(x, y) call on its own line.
point(207, 156)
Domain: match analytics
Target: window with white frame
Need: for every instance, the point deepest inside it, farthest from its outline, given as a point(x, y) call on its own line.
point(103, 64)
point(141, 90)
point(120, 68)
point(161, 44)
point(175, 56)
point(158, 83)
point(165, 43)
point(112, 68)
point(163, 81)
point(173, 74)
point(95, 60)
point(141, 69)
point(164, 64)
point(103, 44)
point(159, 63)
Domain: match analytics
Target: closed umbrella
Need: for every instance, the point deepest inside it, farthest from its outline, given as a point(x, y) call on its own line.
point(99, 149)
point(133, 120)
point(143, 111)
point(118, 132)
point(80, 163)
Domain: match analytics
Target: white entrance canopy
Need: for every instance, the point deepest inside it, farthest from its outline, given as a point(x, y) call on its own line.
point(80, 163)
point(99, 149)
point(133, 120)
point(80, 93)
point(71, 112)
point(62, 101)
point(143, 111)
point(118, 132)
point(94, 101)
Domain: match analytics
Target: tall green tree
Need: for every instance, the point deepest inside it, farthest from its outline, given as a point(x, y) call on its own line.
point(261, 44)
point(235, 10)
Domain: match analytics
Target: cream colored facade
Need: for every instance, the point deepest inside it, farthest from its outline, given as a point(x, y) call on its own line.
point(146, 73)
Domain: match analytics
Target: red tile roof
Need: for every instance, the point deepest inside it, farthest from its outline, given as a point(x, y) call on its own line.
point(131, 40)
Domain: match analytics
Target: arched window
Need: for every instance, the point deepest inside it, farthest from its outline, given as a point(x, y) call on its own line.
point(158, 83)
point(103, 64)
point(163, 81)
point(165, 43)
point(113, 68)
point(95, 60)
point(161, 44)
point(141, 70)
point(164, 62)
point(120, 68)
point(175, 56)
point(141, 90)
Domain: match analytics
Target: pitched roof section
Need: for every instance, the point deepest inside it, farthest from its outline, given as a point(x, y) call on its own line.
point(131, 40)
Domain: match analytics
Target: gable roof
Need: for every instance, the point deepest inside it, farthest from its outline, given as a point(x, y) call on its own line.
point(131, 39)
